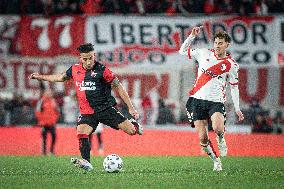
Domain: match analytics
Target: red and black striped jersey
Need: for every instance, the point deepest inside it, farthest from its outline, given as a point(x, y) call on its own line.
point(93, 87)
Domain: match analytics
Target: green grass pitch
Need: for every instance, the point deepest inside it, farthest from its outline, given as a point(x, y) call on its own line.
point(142, 172)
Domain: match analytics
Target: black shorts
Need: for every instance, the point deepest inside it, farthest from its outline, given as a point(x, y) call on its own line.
point(110, 117)
point(198, 109)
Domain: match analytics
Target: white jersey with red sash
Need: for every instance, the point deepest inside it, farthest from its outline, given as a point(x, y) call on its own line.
point(212, 75)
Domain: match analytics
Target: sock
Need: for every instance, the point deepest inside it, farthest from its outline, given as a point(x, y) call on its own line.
point(220, 136)
point(134, 122)
point(84, 146)
point(208, 148)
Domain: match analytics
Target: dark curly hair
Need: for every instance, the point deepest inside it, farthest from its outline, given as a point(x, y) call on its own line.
point(223, 35)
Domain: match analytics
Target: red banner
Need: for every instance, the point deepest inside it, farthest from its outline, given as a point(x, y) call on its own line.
point(39, 36)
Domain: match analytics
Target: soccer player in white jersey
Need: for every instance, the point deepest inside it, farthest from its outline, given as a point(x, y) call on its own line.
point(206, 100)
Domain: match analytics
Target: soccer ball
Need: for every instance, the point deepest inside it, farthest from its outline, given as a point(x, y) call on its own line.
point(113, 163)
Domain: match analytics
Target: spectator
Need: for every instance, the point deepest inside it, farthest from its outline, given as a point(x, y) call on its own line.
point(225, 7)
point(66, 7)
point(254, 109)
point(262, 123)
point(47, 115)
point(260, 8)
point(10, 6)
point(165, 114)
point(48, 7)
point(111, 6)
point(187, 7)
point(278, 123)
point(171, 7)
point(93, 7)
point(2, 112)
point(209, 7)
point(70, 105)
point(275, 6)
point(17, 108)
point(244, 7)
point(32, 7)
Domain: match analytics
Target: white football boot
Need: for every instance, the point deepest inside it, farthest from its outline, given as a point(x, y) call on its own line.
point(82, 163)
point(223, 149)
point(217, 165)
point(138, 127)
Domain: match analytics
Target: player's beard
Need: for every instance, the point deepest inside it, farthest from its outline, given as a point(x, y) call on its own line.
point(88, 66)
point(220, 53)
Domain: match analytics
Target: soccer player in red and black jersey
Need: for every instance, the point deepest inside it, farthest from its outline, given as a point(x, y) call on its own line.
point(93, 83)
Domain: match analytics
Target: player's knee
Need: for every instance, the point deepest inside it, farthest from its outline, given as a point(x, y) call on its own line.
point(84, 129)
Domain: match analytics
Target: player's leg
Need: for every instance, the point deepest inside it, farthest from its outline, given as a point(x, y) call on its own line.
point(113, 118)
point(218, 126)
point(205, 143)
point(85, 126)
point(198, 113)
point(43, 134)
point(53, 139)
point(131, 127)
point(83, 132)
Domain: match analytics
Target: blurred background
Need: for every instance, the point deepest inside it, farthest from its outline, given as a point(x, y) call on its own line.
point(139, 41)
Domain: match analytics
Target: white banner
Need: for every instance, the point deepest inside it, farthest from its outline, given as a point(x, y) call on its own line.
point(155, 41)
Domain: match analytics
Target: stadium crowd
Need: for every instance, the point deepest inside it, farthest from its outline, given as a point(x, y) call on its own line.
point(141, 7)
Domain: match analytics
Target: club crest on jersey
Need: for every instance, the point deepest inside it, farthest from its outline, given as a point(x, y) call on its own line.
point(93, 74)
point(223, 67)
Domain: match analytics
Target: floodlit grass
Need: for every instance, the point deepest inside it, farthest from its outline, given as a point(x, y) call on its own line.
point(142, 172)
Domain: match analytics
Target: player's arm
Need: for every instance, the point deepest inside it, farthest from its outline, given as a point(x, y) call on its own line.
point(234, 81)
point(186, 44)
point(117, 86)
point(52, 78)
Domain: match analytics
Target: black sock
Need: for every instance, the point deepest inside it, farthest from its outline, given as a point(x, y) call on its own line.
point(85, 148)
point(221, 135)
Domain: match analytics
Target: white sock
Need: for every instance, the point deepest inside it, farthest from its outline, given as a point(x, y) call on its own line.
point(208, 148)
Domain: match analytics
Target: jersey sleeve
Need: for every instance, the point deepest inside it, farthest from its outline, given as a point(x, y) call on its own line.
point(108, 75)
point(195, 52)
point(233, 74)
point(233, 81)
point(69, 72)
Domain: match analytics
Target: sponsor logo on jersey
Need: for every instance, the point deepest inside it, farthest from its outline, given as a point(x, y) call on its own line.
point(86, 85)
point(209, 72)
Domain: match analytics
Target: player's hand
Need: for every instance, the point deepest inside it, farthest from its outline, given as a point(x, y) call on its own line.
point(240, 115)
point(34, 76)
point(195, 31)
point(134, 113)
